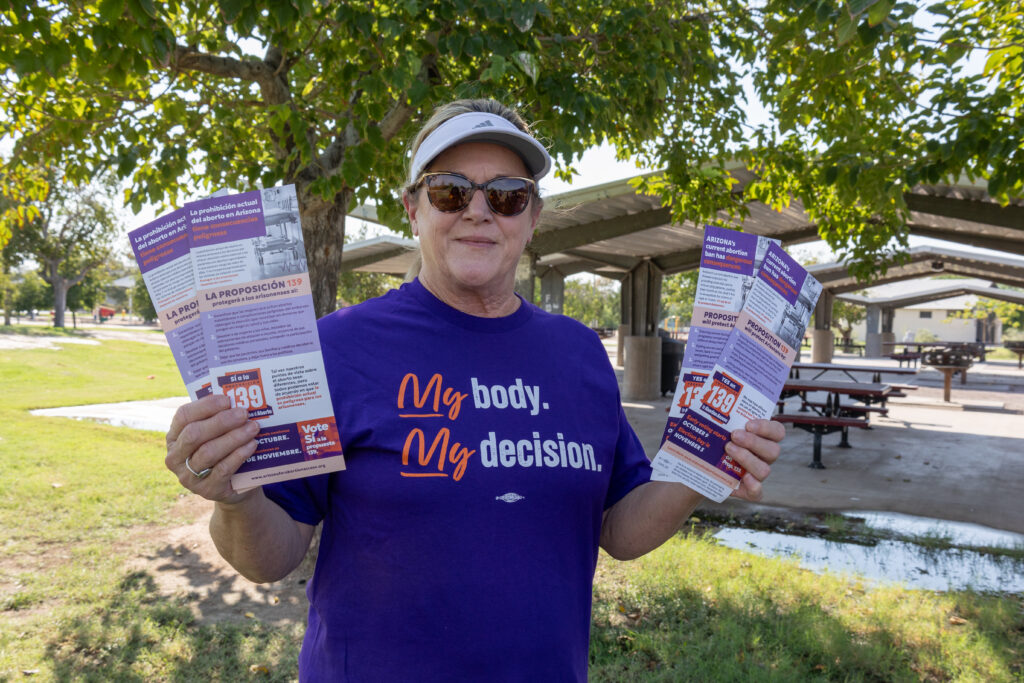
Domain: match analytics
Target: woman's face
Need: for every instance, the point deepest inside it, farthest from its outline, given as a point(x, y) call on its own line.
point(474, 251)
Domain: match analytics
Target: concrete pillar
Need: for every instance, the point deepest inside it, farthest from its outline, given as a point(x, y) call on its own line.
point(873, 339)
point(822, 346)
point(888, 343)
point(888, 337)
point(526, 271)
point(552, 291)
point(641, 300)
point(620, 346)
point(822, 341)
point(641, 378)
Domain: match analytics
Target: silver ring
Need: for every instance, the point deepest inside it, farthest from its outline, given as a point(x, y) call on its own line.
point(199, 475)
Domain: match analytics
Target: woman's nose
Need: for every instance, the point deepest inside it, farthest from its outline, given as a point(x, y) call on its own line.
point(478, 208)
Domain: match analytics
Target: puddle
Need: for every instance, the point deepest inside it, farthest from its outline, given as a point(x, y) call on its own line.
point(887, 561)
point(956, 533)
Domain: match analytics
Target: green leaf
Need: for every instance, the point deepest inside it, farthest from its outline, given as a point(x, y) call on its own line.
point(528, 63)
point(418, 92)
point(111, 10)
point(496, 71)
point(26, 62)
point(857, 7)
point(845, 29)
point(232, 8)
point(523, 16)
point(879, 11)
point(148, 7)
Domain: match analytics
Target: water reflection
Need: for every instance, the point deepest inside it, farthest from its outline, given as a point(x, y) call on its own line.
point(957, 533)
point(887, 562)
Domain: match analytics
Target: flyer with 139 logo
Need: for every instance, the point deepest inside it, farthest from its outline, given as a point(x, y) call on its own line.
point(745, 381)
point(256, 339)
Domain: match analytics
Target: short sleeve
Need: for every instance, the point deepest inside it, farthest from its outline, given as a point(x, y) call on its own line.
point(631, 466)
point(305, 500)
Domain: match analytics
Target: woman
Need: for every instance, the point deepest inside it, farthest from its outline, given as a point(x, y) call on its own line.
point(488, 454)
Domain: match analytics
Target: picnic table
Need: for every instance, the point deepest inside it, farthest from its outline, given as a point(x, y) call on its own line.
point(836, 413)
point(1018, 348)
point(976, 349)
point(849, 370)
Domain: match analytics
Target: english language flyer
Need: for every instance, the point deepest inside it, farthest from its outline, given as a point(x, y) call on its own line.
point(746, 379)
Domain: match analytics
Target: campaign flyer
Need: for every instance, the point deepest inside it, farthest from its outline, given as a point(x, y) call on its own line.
point(162, 251)
point(728, 265)
point(259, 328)
point(745, 381)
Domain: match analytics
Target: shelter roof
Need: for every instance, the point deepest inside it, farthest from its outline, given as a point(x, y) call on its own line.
point(957, 294)
point(609, 229)
point(927, 261)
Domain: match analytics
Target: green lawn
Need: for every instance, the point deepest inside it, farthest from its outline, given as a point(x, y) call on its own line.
point(76, 498)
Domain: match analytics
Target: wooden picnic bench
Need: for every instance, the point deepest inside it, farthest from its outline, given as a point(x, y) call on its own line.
point(847, 409)
point(819, 425)
point(834, 414)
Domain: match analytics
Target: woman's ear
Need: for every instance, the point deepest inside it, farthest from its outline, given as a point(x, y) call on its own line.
point(410, 209)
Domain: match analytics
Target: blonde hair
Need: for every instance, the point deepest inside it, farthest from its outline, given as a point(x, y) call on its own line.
point(455, 108)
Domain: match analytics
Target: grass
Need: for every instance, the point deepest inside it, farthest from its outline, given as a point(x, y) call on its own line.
point(1000, 353)
point(77, 501)
point(694, 611)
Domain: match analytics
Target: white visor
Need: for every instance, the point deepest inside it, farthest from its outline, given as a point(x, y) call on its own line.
point(482, 127)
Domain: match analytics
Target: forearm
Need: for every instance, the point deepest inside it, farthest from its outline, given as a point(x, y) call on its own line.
point(258, 538)
point(646, 517)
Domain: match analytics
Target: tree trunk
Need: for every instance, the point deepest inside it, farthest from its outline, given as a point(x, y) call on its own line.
point(324, 234)
point(60, 300)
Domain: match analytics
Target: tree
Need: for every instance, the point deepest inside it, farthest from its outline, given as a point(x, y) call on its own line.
point(32, 294)
point(677, 294)
point(873, 97)
point(864, 99)
point(70, 236)
point(326, 95)
point(593, 301)
point(1011, 315)
point(141, 300)
point(354, 288)
point(89, 291)
point(844, 316)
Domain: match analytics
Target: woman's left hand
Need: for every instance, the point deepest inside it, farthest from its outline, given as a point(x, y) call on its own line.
point(755, 448)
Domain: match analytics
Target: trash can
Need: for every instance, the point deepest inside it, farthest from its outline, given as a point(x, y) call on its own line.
point(671, 363)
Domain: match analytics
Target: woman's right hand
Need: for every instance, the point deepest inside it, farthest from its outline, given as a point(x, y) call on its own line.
point(215, 439)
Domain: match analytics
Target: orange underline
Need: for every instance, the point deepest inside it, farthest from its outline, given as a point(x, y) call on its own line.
point(423, 474)
point(424, 415)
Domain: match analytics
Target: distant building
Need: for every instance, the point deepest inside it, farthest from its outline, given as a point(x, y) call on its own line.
point(935, 319)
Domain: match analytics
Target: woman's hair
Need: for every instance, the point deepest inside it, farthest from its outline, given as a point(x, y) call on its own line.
point(453, 109)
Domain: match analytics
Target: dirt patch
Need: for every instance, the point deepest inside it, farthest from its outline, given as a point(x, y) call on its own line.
point(187, 569)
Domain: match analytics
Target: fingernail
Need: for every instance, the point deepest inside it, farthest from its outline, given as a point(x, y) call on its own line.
point(239, 413)
point(252, 427)
point(731, 448)
point(740, 436)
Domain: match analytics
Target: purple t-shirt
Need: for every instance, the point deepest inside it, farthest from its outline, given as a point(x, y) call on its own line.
point(460, 542)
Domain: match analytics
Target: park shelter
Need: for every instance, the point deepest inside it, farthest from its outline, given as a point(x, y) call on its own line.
point(614, 231)
point(929, 306)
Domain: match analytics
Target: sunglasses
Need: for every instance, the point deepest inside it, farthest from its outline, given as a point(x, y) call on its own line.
point(452, 192)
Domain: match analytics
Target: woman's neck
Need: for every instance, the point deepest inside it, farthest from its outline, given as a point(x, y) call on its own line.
point(476, 302)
